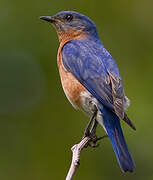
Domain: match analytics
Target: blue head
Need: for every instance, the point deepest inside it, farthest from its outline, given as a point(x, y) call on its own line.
point(71, 23)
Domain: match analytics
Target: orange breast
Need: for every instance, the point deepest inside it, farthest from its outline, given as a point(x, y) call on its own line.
point(72, 87)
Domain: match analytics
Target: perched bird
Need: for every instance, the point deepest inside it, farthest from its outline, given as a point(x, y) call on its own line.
point(90, 78)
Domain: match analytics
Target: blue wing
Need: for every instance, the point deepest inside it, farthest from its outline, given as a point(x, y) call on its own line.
point(95, 69)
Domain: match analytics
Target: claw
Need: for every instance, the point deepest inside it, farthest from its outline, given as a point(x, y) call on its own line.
point(94, 140)
point(93, 145)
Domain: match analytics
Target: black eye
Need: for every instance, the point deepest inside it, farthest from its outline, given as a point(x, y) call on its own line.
point(68, 17)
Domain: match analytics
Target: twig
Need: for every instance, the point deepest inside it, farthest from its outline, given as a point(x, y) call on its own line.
point(76, 150)
point(90, 139)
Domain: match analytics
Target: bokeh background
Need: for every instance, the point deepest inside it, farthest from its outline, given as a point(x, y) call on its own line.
point(38, 126)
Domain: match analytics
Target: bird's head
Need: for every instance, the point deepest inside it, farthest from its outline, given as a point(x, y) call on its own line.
point(72, 25)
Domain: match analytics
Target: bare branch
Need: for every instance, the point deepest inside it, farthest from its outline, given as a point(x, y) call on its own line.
point(90, 139)
point(76, 150)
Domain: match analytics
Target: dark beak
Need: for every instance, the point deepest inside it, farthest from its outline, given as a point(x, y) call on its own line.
point(48, 18)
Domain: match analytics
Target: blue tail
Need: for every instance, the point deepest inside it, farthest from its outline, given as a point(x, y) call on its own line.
point(112, 125)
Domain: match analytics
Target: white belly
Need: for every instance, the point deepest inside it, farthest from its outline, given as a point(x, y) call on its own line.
point(89, 105)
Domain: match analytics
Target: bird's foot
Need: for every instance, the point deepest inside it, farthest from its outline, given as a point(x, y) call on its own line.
point(94, 139)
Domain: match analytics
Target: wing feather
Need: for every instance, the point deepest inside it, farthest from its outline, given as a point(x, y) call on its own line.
point(94, 68)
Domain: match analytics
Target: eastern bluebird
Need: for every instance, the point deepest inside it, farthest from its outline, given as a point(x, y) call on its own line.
point(91, 79)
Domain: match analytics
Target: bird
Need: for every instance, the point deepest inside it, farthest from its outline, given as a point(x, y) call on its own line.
point(91, 80)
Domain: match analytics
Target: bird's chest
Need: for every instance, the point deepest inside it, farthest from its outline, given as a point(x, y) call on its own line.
point(76, 93)
point(71, 86)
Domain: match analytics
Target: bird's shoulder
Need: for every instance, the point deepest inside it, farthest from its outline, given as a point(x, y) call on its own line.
point(92, 53)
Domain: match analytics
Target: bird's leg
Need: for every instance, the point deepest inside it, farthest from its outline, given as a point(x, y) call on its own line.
point(94, 138)
point(87, 130)
point(93, 128)
point(90, 131)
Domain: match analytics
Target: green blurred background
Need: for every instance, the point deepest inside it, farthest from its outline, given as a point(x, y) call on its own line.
point(38, 126)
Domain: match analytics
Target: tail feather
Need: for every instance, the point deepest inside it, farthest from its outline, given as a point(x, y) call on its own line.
point(112, 126)
point(128, 121)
